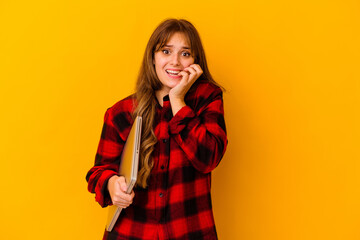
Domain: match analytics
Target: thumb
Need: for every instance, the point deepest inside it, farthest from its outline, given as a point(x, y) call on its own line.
point(123, 184)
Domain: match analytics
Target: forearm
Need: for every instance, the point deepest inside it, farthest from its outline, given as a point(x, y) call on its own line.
point(176, 104)
point(202, 138)
point(97, 179)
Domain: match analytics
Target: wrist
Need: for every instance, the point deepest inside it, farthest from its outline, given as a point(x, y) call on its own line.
point(176, 100)
point(110, 182)
point(176, 105)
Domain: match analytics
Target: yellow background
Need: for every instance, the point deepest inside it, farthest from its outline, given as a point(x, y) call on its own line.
point(291, 70)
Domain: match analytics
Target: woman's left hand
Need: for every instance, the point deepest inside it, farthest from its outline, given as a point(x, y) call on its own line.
point(177, 94)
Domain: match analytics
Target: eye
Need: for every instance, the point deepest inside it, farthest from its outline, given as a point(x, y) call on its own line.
point(186, 54)
point(165, 51)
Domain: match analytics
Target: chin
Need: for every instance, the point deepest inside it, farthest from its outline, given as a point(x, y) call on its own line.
point(173, 85)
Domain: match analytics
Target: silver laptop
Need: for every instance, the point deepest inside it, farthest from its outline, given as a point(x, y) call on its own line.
point(129, 166)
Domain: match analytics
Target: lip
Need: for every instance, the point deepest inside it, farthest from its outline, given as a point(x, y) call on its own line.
point(174, 69)
point(172, 76)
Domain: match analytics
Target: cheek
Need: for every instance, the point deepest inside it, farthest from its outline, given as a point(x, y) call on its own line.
point(157, 68)
point(188, 62)
point(159, 63)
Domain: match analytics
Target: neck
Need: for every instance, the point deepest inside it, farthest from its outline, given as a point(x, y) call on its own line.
point(160, 94)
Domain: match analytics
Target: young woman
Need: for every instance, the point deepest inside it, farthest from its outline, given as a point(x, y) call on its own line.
point(183, 140)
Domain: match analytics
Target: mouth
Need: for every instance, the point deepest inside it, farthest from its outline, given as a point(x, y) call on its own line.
point(173, 72)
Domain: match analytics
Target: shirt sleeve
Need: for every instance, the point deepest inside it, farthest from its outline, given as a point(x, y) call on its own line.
point(107, 161)
point(202, 134)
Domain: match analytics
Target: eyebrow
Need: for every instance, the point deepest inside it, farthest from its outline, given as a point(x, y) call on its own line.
point(173, 46)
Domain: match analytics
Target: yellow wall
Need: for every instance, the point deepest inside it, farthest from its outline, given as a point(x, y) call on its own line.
point(291, 70)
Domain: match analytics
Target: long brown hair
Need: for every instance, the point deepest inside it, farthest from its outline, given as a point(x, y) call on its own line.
point(148, 83)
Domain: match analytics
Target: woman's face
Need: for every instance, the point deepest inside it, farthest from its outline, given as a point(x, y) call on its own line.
point(171, 59)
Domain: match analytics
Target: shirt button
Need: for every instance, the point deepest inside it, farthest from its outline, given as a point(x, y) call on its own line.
point(161, 195)
point(164, 140)
point(162, 167)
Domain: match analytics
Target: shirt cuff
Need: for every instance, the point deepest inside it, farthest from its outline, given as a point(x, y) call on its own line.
point(181, 118)
point(102, 195)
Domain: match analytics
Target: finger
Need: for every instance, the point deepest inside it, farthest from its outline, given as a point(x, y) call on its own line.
point(191, 70)
point(122, 205)
point(122, 182)
point(132, 194)
point(193, 76)
point(197, 68)
point(123, 201)
point(183, 73)
point(124, 197)
point(193, 73)
point(185, 76)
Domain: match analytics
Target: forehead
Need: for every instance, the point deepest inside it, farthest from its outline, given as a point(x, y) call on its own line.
point(178, 38)
point(172, 38)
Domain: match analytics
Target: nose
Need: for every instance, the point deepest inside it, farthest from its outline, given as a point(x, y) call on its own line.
point(175, 60)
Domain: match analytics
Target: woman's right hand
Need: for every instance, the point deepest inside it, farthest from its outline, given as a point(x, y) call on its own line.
point(117, 188)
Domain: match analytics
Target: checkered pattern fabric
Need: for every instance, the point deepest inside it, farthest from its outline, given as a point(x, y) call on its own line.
point(176, 204)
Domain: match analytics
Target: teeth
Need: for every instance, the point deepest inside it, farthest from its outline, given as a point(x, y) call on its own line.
point(172, 72)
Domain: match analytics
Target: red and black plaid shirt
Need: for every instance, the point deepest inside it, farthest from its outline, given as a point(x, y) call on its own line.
point(177, 203)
